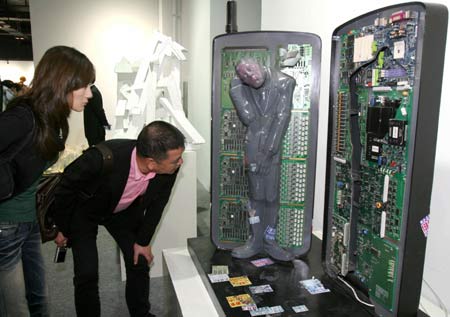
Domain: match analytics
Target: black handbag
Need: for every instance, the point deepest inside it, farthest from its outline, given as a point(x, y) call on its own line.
point(45, 196)
point(7, 182)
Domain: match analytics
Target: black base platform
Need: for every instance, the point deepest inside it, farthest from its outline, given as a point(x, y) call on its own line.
point(283, 277)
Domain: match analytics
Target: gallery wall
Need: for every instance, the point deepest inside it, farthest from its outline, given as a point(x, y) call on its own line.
point(322, 17)
point(12, 70)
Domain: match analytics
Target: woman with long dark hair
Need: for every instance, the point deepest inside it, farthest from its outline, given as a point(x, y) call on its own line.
point(38, 121)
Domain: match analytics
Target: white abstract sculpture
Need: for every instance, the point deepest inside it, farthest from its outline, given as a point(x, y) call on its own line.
point(152, 91)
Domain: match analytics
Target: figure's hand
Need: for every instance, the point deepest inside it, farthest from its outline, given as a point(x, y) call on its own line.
point(263, 163)
point(145, 251)
point(60, 240)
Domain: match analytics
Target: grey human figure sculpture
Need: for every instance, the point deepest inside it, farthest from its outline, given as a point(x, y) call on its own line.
point(263, 101)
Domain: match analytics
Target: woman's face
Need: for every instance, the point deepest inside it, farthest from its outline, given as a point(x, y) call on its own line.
point(80, 98)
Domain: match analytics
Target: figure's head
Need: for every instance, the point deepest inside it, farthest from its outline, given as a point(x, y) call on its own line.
point(251, 72)
point(160, 146)
point(62, 78)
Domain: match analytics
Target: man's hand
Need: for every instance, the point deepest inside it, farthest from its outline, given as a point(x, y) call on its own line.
point(60, 240)
point(146, 252)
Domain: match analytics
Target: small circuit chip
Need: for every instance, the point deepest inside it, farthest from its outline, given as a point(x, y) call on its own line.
point(397, 132)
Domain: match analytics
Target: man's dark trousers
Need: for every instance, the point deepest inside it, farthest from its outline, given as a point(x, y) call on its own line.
point(122, 226)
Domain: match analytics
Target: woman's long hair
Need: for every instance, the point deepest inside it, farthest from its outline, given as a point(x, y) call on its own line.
point(61, 70)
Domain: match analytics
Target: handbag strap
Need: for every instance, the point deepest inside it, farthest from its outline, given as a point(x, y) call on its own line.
point(108, 160)
point(107, 157)
point(15, 148)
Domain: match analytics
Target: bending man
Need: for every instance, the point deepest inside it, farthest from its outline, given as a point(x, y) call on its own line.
point(129, 203)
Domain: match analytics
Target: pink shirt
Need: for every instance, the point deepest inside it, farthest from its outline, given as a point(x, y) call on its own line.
point(136, 184)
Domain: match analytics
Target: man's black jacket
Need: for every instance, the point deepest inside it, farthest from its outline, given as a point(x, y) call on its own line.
point(86, 172)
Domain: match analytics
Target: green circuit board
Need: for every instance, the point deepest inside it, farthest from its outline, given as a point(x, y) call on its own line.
point(232, 179)
point(371, 140)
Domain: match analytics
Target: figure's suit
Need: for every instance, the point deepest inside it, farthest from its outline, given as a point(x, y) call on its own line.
point(265, 111)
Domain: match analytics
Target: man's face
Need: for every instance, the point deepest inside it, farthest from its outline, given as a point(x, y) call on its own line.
point(251, 73)
point(171, 163)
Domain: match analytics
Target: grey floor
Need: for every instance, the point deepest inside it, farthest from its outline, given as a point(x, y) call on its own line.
point(112, 289)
